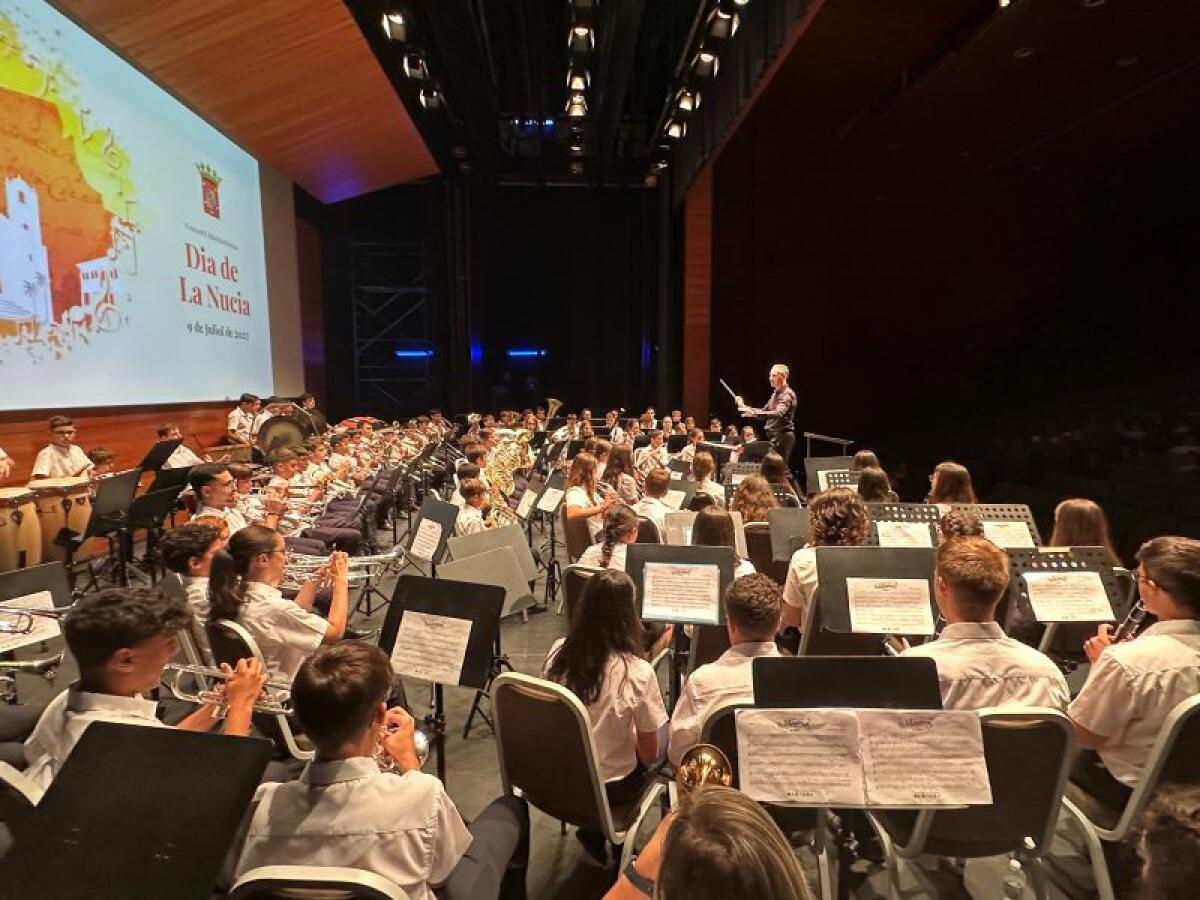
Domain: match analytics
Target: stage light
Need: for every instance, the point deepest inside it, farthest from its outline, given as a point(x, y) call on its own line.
point(578, 79)
point(742, 3)
point(431, 98)
point(476, 354)
point(687, 101)
point(394, 26)
point(414, 354)
point(577, 106)
point(524, 353)
point(581, 39)
point(659, 165)
point(415, 68)
point(706, 64)
point(676, 129)
point(722, 24)
point(576, 149)
point(548, 124)
point(575, 167)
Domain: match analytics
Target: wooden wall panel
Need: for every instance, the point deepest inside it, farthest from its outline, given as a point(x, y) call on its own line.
point(127, 431)
point(697, 295)
point(312, 313)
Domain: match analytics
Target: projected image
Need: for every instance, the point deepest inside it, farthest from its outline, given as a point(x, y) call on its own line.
point(130, 232)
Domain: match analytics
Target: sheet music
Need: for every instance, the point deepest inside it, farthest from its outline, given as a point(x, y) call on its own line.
point(431, 647)
point(807, 756)
point(889, 605)
point(682, 592)
point(674, 499)
point(426, 540)
point(687, 535)
point(676, 476)
point(922, 758)
point(1009, 534)
point(527, 500)
point(737, 478)
point(904, 534)
point(44, 628)
point(550, 499)
point(1068, 596)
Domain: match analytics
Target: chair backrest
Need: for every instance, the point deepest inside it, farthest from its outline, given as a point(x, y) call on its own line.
point(1029, 753)
point(575, 579)
point(758, 549)
point(648, 531)
point(701, 500)
point(314, 883)
point(536, 721)
point(18, 796)
point(708, 643)
point(576, 534)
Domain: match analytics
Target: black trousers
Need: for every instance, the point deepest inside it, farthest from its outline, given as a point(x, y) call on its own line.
point(784, 443)
point(1089, 772)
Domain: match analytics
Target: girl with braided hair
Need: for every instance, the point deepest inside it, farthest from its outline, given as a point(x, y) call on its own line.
point(620, 530)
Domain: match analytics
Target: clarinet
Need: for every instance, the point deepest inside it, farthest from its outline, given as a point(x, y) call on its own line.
point(1132, 623)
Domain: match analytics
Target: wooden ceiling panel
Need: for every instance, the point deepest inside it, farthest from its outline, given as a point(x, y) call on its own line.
point(293, 82)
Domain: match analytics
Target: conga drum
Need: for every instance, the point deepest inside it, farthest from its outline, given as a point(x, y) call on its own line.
point(61, 503)
point(20, 530)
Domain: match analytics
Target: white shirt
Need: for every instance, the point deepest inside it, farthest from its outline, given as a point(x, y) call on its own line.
point(182, 457)
point(287, 634)
point(801, 581)
point(629, 701)
point(577, 496)
point(979, 666)
point(593, 554)
point(617, 435)
point(1132, 688)
point(687, 454)
point(240, 423)
point(713, 489)
point(469, 521)
point(53, 461)
point(655, 509)
point(347, 813)
point(234, 519)
point(727, 680)
point(66, 718)
point(258, 422)
point(566, 433)
point(648, 458)
point(338, 460)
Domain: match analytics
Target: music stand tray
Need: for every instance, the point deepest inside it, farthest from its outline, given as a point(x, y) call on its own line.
point(1004, 512)
point(51, 576)
point(836, 564)
point(676, 442)
point(639, 554)
point(816, 464)
point(158, 454)
point(165, 479)
point(790, 530)
point(856, 682)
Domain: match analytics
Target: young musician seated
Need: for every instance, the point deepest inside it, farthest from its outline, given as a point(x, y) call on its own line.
point(214, 486)
point(247, 591)
point(182, 456)
point(874, 486)
point(470, 516)
point(62, 457)
point(188, 551)
point(602, 661)
point(284, 468)
point(753, 499)
point(344, 811)
point(465, 471)
point(950, 483)
point(654, 456)
point(1133, 685)
point(654, 506)
point(695, 436)
point(239, 424)
point(775, 471)
point(703, 467)
point(619, 474)
point(753, 606)
point(121, 638)
point(837, 518)
point(978, 664)
point(620, 530)
point(713, 527)
point(103, 460)
point(582, 498)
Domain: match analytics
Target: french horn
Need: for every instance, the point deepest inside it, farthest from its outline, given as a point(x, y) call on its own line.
point(703, 764)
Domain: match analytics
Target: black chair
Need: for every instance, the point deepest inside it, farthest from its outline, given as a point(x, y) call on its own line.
point(647, 532)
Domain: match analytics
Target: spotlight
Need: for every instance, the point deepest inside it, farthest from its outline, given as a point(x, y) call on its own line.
point(578, 79)
point(415, 68)
point(659, 166)
point(706, 64)
point(577, 106)
point(394, 26)
point(581, 39)
point(576, 148)
point(722, 24)
point(687, 101)
point(676, 129)
point(431, 98)
point(741, 2)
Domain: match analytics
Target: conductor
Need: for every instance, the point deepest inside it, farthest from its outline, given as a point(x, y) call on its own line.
point(779, 412)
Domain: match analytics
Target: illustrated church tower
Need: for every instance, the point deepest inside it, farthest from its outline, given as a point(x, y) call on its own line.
point(24, 264)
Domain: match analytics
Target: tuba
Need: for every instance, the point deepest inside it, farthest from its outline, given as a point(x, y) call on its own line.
point(552, 407)
point(703, 764)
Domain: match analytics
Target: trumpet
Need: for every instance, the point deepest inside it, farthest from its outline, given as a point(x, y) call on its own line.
point(300, 567)
point(384, 760)
point(275, 698)
point(24, 618)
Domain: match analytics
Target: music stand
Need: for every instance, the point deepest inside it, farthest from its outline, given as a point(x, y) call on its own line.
point(828, 628)
point(640, 441)
point(682, 466)
point(676, 442)
point(165, 479)
point(679, 528)
point(537, 441)
point(51, 576)
point(118, 821)
point(479, 604)
point(679, 494)
point(158, 454)
point(715, 437)
point(814, 465)
point(636, 558)
point(755, 451)
point(109, 520)
point(150, 511)
point(922, 513)
point(790, 530)
point(855, 682)
point(510, 536)
point(1004, 513)
point(841, 478)
point(720, 453)
point(573, 447)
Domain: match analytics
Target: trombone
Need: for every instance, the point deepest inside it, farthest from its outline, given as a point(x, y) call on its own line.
point(274, 700)
point(24, 617)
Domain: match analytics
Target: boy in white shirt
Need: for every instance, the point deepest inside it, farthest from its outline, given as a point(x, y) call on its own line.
point(653, 506)
point(978, 665)
point(399, 824)
point(695, 436)
point(753, 605)
point(470, 517)
point(239, 424)
point(647, 459)
point(62, 457)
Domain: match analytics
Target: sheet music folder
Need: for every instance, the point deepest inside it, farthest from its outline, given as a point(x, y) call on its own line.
point(477, 603)
point(638, 555)
point(123, 819)
point(836, 564)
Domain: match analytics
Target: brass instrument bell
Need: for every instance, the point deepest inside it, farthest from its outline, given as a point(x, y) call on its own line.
point(703, 764)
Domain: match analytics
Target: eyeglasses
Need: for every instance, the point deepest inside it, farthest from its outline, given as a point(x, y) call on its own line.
point(70, 433)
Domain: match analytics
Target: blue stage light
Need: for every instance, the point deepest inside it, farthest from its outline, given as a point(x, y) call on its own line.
point(414, 354)
point(524, 353)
